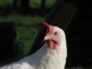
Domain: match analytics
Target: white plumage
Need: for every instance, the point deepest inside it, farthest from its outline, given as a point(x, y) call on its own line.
point(45, 57)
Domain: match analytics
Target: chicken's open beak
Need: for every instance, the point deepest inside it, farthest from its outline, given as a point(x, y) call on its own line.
point(47, 38)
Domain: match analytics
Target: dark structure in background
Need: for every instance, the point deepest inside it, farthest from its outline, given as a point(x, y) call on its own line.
point(75, 17)
point(7, 41)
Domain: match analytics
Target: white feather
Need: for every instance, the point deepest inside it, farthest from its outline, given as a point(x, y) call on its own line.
point(44, 58)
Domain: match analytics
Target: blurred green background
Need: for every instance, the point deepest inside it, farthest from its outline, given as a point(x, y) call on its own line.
point(27, 19)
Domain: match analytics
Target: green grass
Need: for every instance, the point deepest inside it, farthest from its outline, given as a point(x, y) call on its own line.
point(22, 20)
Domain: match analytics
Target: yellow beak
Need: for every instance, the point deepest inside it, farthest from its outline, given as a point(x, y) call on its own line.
point(47, 38)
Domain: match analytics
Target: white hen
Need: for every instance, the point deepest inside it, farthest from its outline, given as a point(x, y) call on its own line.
point(52, 55)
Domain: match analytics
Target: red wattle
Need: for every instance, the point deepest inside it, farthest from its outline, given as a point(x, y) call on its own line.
point(51, 44)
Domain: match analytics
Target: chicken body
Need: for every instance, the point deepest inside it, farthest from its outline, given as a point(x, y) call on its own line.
point(45, 57)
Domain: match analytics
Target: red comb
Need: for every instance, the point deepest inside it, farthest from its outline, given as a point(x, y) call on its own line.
point(50, 27)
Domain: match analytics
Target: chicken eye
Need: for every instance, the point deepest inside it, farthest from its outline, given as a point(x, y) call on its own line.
point(55, 33)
